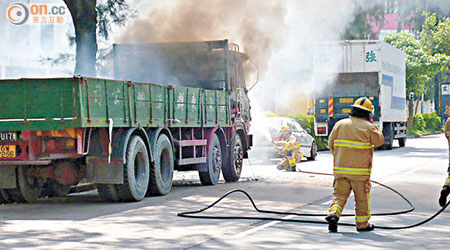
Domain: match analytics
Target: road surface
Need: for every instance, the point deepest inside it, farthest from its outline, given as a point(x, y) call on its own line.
point(83, 221)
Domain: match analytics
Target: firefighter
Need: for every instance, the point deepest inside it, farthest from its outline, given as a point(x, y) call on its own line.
point(290, 150)
point(352, 144)
point(446, 188)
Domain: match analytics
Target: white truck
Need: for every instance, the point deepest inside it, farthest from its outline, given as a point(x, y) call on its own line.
point(361, 68)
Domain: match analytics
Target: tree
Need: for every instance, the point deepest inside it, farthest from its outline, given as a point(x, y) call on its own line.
point(360, 27)
point(420, 67)
point(92, 18)
point(435, 39)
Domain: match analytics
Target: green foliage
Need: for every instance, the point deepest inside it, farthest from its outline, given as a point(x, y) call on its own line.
point(435, 39)
point(360, 27)
point(432, 121)
point(426, 124)
point(425, 58)
point(419, 122)
point(270, 114)
point(111, 12)
point(307, 121)
point(435, 36)
point(421, 66)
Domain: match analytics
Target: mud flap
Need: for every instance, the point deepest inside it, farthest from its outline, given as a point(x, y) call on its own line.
point(98, 170)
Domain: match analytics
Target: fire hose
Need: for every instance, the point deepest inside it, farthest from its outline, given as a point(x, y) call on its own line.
point(196, 213)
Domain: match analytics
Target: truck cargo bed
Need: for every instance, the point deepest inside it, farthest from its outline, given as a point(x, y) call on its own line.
point(61, 103)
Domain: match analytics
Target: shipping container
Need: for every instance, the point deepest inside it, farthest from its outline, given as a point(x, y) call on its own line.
point(359, 68)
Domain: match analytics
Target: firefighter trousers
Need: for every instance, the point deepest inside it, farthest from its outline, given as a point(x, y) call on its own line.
point(290, 159)
point(361, 191)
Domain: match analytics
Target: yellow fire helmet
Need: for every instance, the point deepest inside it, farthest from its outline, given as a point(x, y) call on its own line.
point(363, 103)
point(285, 128)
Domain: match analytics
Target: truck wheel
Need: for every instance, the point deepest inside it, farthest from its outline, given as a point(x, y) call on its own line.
point(213, 163)
point(55, 189)
point(313, 152)
point(232, 170)
point(4, 197)
point(402, 142)
point(108, 192)
point(161, 173)
point(28, 189)
point(136, 171)
point(390, 140)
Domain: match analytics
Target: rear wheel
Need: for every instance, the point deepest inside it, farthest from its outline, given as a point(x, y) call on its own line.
point(55, 189)
point(29, 188)
point(136, 171)
point(108, 192)
point(4, 197)
point(388, 132)
point(161, 174)
point(213, 163)
point(232, 170)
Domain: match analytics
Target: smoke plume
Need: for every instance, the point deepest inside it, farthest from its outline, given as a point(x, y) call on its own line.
point(257, 26)
point(277, 35)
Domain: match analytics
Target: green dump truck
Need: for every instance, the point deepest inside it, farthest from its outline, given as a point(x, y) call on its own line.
point(177, 106)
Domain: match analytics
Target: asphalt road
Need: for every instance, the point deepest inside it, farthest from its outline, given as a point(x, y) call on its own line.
point(83, 221)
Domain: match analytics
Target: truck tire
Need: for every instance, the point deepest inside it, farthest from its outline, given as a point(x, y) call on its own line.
point(232, 170)
point(402, 142)
point(55, 189)
point(4, 197)
point(313, 152)
point(28, 189)
point(108, 192)
point(213, 163)
point(389, 139)
point(161, 173)
point(136, 171)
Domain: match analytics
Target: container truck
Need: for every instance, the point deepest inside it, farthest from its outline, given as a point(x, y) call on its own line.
point(127, 136)
point(361, 68)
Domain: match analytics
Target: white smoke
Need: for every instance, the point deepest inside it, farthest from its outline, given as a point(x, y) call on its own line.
point(278, 35)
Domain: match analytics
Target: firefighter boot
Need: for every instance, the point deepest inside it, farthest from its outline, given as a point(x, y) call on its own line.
point(370, 227)
point(280, 167)
point(332, 223)
point(291, 169)
point(444, 193)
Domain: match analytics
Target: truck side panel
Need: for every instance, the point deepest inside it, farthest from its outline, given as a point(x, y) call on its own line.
point(44, 104)
point(131, 104)
point(187, 108)
point(392, 84)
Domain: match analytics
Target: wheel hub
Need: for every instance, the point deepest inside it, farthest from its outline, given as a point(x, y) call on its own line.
point(217, 159)
point(238, 158)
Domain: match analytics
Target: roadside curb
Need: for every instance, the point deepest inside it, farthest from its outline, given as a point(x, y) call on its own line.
point(419, 136)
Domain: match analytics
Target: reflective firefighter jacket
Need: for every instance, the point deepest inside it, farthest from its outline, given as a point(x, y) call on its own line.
point(352, 143)
point(292, 146)
point(447, 134)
